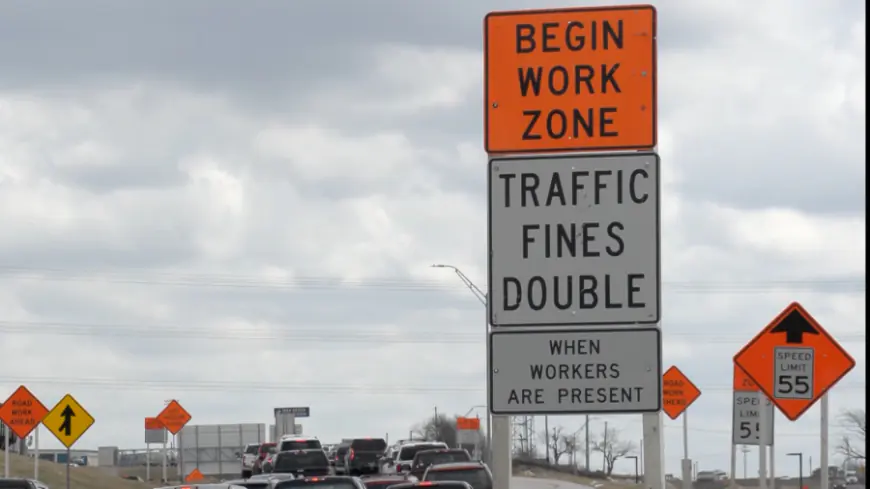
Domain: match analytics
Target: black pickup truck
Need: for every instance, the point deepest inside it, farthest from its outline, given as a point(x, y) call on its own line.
point(363, 456)
point(301, 463)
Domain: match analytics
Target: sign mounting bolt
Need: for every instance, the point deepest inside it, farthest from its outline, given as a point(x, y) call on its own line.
point(495, 105)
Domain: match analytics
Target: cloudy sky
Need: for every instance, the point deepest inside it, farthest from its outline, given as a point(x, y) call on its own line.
point(236, 205)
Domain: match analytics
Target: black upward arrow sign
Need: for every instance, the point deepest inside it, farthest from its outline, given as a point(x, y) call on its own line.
point(67, 414)
point(795, 326)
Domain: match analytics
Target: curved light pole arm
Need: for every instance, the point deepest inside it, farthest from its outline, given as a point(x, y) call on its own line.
point(481, 296)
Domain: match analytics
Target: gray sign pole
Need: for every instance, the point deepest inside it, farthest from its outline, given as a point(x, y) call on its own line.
point(67, 467)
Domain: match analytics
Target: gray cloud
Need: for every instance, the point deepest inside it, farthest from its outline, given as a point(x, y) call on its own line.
point(263, 46)
point(211, 143)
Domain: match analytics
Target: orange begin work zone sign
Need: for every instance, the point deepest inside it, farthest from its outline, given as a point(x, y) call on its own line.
point(153, 424)
point(581, 79)
point(467, 423)
point(742, 382)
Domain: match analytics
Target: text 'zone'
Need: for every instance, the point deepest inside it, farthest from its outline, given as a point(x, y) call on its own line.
point(580, 79)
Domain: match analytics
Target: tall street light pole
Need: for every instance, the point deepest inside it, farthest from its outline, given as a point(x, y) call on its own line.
point(481, 297)
point(472, 408)
point(636, 475)
point(800, 457)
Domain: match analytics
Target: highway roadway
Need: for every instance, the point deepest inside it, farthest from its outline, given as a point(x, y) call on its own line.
point(530, 483)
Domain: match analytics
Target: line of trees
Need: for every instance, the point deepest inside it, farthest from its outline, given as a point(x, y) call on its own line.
point(853, 444)
point(558, 443)
point(607, 443)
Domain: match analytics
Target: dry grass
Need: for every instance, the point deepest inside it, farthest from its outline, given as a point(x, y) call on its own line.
point(541, 473)
point(156, 473)
point(80, 477)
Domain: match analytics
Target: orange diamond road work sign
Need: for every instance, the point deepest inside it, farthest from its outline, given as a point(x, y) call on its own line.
point(22, 412)
point(742, 382)
point(794, 361)
point(194, 476)
point(153, 424)
point(678, 392)
point(468, 424)
point(174, 417)
point(578, 79)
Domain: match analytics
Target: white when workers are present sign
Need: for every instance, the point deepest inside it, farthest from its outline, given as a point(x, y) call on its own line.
point(575, 372)
point(574, 240)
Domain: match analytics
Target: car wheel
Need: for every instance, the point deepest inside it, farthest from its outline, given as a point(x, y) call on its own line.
point(246, 474)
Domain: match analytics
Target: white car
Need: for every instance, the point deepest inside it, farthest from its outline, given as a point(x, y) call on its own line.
point(298, 442)
point(249, 457)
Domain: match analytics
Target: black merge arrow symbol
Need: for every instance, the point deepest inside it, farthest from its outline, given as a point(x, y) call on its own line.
point(67, 414)
point(795, 326)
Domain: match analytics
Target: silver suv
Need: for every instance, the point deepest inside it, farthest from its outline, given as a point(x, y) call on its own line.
point(400, 457)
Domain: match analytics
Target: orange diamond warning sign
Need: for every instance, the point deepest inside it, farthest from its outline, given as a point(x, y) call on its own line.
point(678, 392)
point(22, 412)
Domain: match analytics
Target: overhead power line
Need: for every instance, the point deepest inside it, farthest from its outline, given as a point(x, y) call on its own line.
point(349, 334)
point(727, 432)
point(259, 386)
point(314, 283)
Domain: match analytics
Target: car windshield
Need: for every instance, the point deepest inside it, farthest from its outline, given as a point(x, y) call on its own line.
point(269, 449)
point(342, 450)
point(319, 484)
point(252, 449)
point(369, 445)
point(477, 478)
point(10, 484)
point(382, 484)
point(439, 457)
point(299, 445)
point(288, 462)
point(407, 453)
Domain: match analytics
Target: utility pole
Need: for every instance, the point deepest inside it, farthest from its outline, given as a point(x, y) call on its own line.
point(587, 443)
point(547, 438)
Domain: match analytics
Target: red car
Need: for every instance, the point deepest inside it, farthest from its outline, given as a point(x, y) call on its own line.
point(263, 455)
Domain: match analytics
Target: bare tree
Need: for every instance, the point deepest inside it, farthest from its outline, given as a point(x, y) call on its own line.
point(854, 442)
point(571, 447)
point(611, 448)
point(557, 444)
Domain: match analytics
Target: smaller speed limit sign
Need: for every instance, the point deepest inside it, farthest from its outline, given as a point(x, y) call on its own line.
point(746, 426)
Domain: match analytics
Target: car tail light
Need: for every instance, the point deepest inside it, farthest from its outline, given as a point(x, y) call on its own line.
point(350, 453)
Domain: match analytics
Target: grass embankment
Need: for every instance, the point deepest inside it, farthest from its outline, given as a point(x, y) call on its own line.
point(54, 475)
